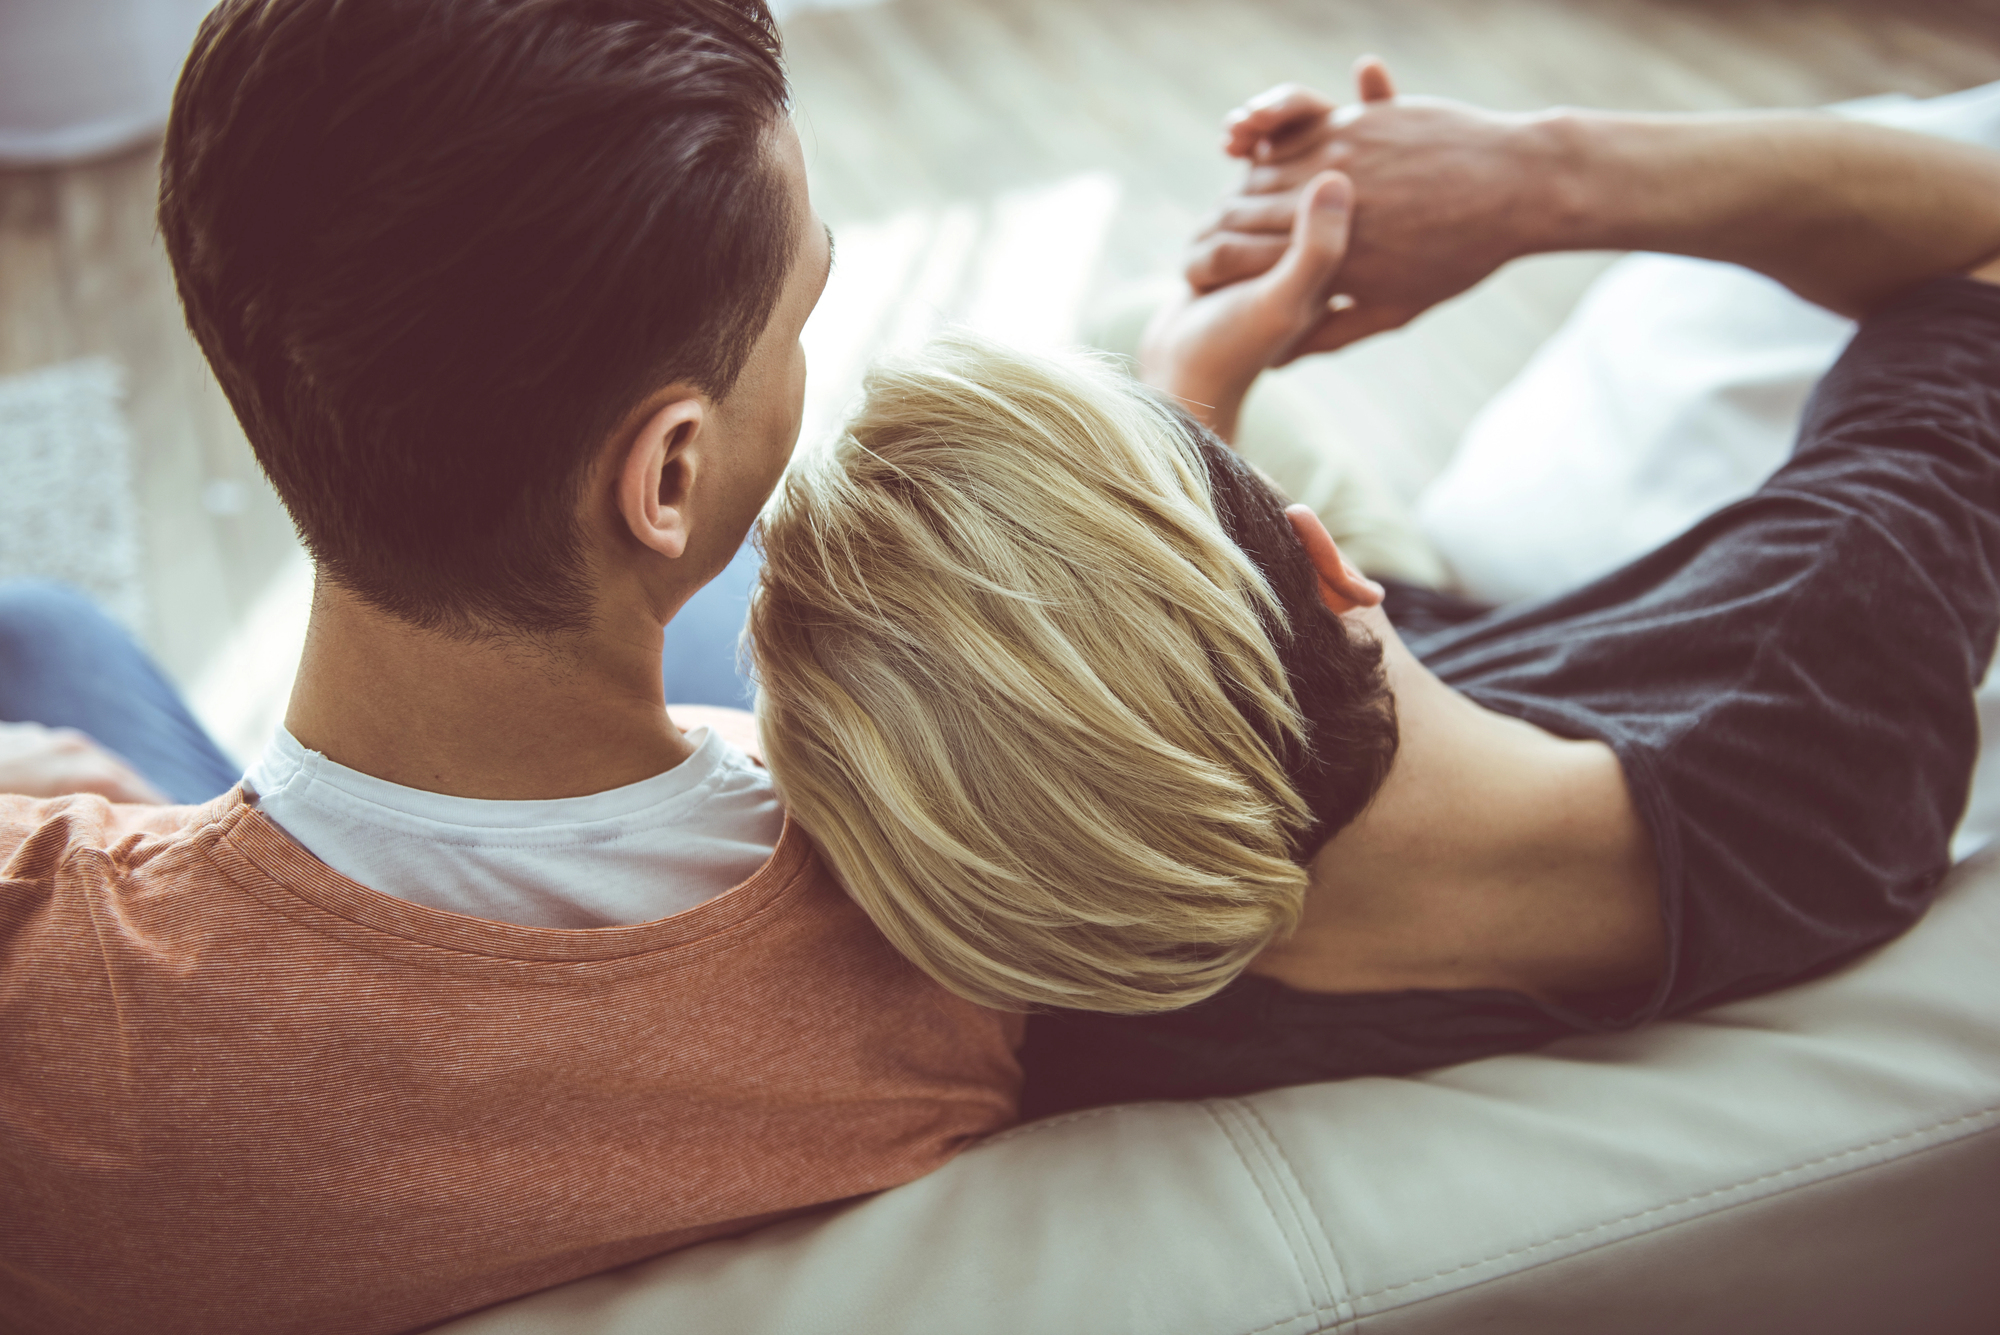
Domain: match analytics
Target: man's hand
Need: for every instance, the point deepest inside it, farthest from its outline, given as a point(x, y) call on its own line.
point(1271, 126)
point(1845, 214)
point(1206, 348)
point(54, 762)
point(1447, 193)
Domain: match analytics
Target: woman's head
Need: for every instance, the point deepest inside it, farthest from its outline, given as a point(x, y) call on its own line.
point(1045, 674)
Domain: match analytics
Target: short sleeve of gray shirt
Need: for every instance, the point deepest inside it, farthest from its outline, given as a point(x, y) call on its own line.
point(1789, 686)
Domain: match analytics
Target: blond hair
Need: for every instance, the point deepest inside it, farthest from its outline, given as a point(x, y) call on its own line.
point(1017, 683)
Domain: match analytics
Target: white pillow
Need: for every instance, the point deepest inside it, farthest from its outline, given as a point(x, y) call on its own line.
point(1674, 389)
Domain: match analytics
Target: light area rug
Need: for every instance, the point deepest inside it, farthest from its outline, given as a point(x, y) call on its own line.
point(67, 507)
point(69, 513)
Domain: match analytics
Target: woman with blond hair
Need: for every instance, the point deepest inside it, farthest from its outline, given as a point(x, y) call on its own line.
point(1091, 725)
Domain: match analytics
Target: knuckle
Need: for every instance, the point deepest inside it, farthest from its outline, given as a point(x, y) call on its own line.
point(1274, 177)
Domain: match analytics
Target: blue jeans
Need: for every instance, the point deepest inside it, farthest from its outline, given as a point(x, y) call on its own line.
point(701, 666)
point(64, 664)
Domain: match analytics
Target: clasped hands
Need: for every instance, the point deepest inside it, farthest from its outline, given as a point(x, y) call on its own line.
point(1350, 220)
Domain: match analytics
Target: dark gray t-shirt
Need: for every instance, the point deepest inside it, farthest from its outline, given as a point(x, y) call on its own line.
point(1789, 686)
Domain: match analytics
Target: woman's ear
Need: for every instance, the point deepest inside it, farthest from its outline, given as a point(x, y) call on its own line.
point(657, 476)
point(1341, 586)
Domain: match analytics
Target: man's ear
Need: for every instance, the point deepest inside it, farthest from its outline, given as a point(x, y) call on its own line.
point(1341, 586)
point(658, 474)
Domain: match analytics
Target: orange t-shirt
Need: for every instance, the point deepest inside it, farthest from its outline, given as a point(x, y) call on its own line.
point(239, 1091)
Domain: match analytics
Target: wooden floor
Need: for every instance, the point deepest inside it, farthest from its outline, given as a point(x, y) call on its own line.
point(1026, 158)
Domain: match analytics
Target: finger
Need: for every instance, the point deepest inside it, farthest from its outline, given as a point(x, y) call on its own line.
point(1276, 108)
point(1371, 80)
point(1229, 257)
point(133, 787)
point(1270, 112)
point(1338, 329)
point(60, 775)
point(1251, 214)
point(113, 786)
point(1319, 241)
point(1295, 141)
point(112, 778)
point(114, 775)
point(1281, 176)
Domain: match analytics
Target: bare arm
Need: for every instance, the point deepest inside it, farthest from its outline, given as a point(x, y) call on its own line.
point(1848, 215)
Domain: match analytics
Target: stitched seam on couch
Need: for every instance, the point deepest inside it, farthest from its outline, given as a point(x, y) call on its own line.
point(1315, 1313)
point(1988, 1115)
point(1309, 1221)
point(1259, 1142)
point(1214, 1111)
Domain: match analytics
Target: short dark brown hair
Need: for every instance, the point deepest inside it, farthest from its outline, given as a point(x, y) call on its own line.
point(1337, 675)
point(438, 250)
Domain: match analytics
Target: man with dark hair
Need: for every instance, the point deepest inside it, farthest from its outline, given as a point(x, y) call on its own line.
point(434, 287)
point(507, 295)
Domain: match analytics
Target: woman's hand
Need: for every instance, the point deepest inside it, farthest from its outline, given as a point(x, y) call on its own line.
point(1206, 348)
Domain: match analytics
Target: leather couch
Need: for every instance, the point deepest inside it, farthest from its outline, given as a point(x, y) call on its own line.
point(1824, 1159)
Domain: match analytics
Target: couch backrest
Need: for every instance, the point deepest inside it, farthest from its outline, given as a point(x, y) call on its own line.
point(1825, 1158)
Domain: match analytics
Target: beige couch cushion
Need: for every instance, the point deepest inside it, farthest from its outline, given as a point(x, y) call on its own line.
point(1826, 1158)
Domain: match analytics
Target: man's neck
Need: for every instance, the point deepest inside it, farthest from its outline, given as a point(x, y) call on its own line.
point(1496, 855)
point(486, 718)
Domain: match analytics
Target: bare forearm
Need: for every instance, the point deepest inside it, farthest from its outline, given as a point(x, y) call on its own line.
point(1847, 215)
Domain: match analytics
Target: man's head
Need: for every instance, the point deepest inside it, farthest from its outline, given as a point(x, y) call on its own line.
point(452, 259)
point(1049, 680)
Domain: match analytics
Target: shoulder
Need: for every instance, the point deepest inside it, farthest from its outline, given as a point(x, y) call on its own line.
point(39, 835)
point(1928, 360)
point(828, 949)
